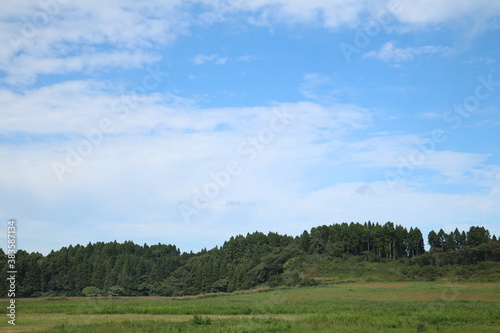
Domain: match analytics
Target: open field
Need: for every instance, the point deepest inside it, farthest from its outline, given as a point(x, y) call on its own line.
point(354, 307)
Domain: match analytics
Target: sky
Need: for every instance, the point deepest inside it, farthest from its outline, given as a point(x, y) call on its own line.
point(188, 122)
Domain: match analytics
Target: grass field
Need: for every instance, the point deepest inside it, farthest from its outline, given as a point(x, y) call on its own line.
point(352, 307)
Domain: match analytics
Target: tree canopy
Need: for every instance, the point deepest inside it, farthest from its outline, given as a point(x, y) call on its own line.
point(242, 262)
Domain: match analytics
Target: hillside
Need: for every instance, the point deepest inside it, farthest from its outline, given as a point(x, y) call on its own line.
point(326, 255)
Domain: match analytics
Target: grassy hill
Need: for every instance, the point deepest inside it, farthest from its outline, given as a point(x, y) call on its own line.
point(354, 269)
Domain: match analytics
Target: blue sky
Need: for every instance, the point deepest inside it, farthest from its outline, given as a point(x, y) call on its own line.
point(190, 122)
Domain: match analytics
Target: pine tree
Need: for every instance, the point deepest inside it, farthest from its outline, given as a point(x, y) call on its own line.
point(433, 240)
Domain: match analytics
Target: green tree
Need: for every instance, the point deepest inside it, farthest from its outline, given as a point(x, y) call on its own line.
point(460, 239)
point(305, 241)
point(416, 242)
point(477, 236)
point(433, 240)
point(442, 236)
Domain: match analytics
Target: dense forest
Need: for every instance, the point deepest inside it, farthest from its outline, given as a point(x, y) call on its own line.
point(243, 262)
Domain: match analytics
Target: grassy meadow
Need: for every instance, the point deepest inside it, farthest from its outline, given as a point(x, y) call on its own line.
point(349, 307)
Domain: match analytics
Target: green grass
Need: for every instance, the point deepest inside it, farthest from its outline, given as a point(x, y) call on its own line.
point(355, 269)
point(351, 307)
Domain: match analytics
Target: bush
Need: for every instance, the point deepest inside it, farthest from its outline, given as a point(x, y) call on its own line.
point(275, 280)
point(430, 273)
point(116, 291)
point(91, 291)
point(307, 282)
point(290, 279)
point(199, 320)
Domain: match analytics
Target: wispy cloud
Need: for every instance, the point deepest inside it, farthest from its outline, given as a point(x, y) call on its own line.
point(478, 60)
point(201, 59)
point(246, 58)
point(390, 53)
point(313, 86)
point(160, 148)
point(415, 14)
point(325, 88)
point(77, 36)
point(430, 115)
point(409, 205)
point(26, 68)
point(397, 151)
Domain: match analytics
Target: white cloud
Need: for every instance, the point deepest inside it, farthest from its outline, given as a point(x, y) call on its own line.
point(67, 107)
point(78, 36)
point(404, 152)
point(70, 107)
point(246, 58)
point(153, 160)
point(312, 83)
point(333, 14)
point(164, 150)
point(326, 89)
point(27, 67)
point(477, 60)
point(455, 164)
point(75, 36)
point(419, 13)
point(391, 53)
point(202, 59)
point(430, 115)
point(410, 207)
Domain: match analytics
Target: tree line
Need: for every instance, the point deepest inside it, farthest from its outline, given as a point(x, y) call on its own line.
point(242, 262)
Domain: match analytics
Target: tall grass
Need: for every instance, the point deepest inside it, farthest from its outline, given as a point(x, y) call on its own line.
point(390, 307)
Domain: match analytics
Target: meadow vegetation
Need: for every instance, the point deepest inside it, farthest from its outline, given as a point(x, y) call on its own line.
point(348, 307)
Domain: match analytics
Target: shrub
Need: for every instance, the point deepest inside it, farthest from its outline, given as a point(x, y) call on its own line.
point(116, 291)
point(199, 320)
point(91, 291)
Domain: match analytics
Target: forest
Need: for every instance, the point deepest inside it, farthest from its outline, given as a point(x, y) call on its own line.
point(245, 262)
